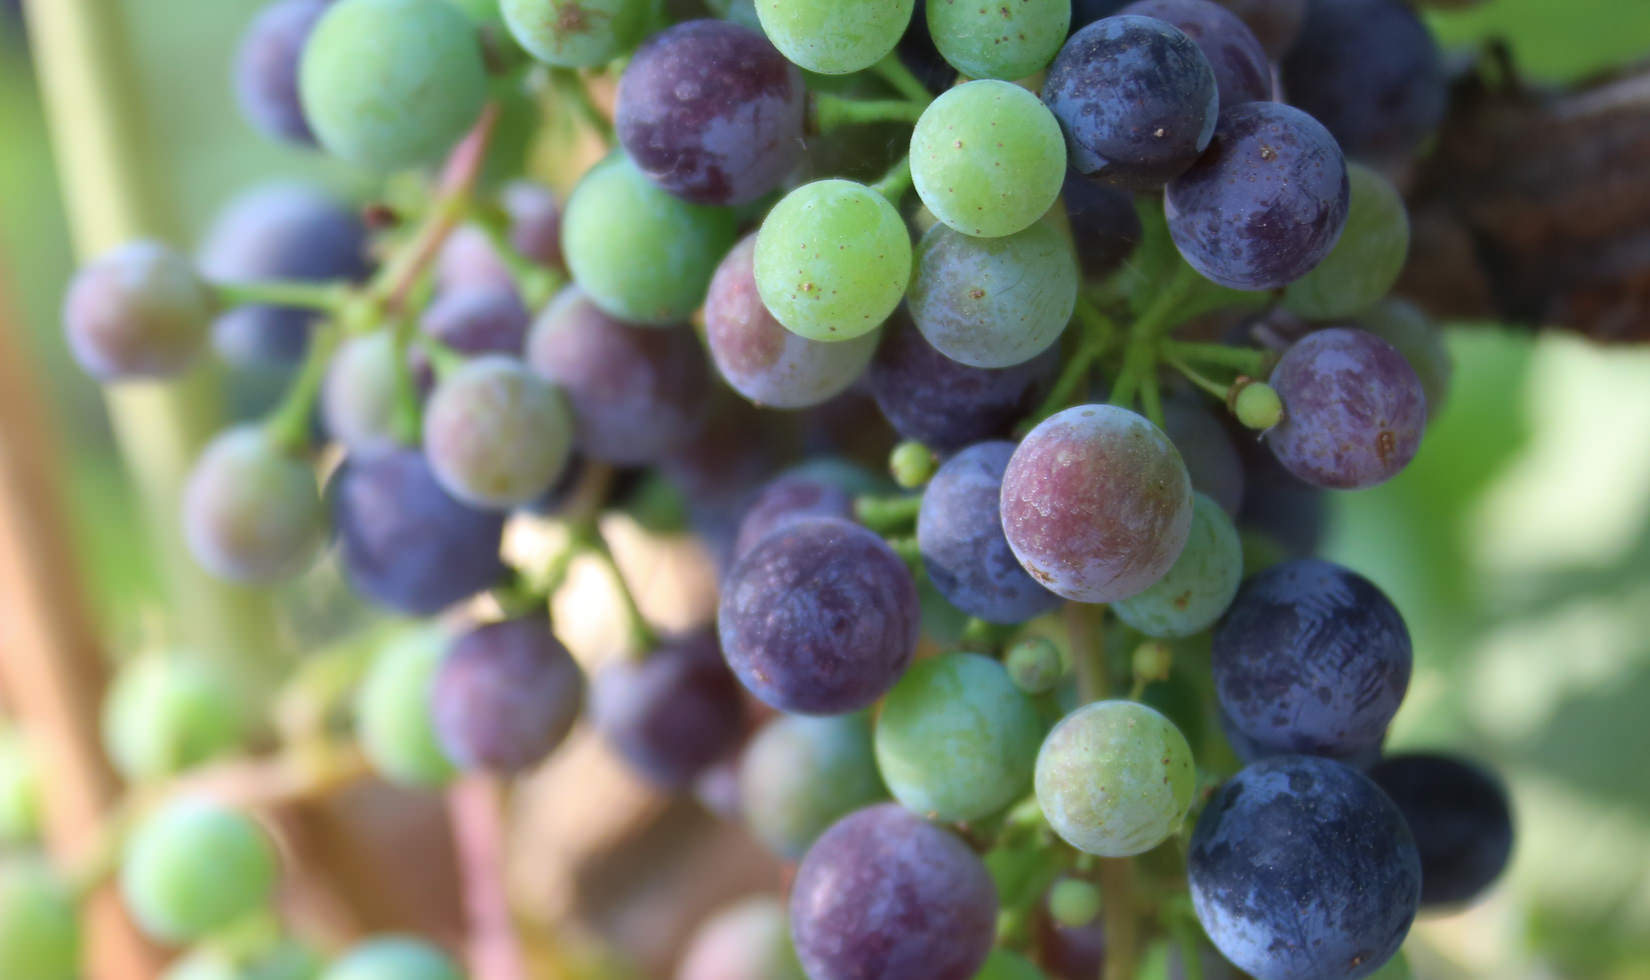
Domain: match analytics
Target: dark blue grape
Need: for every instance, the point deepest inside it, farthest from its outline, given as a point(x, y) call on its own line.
point(820, 617)
point(1313, 658)
point(1136, 98)
point(1086, 12)
point(1276, 23)
point(1461, 820)
point(1291, 514)
point(1212, 460)
point(1302, 869)
point(1248, 750)
point(505, 696)
point(1242, 73)
point(885, 895)
point(266, 68)
point(786, 499)
point(405, 542)
point(672, 715)
point(1105, 227)
point(482, 318)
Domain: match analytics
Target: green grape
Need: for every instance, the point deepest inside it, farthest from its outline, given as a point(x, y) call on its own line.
point(169, 713)
point(833, 259)
point(1034, 665)
point(576, 33)
point(194, 867)
point(1364, 264)
point(287, 960)
point(1406, 328)
point(956, 739)
point(1115, 778)
point(19, 790)
point(800, 774)
point(392, 710)
point(388, 84)
point(39, 925)
point(1005, 965)
point(834, 37)
point(394, 958)
point(741, 12)
point(999, 40)
point(1073, 903)
point(988, 158)
point(641, 254)
point(994, 302)
point(485, 13)
point(1198, 586)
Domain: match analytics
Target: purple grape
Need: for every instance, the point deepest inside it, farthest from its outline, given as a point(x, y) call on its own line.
point(712, 112)
point(672, 715)
point(251, 513)
point(1068, 953)
point(478, 318)
point(636, 392)
point(468, 258)
point(1205, 445)
point(820, 617)
point(1354, 410)
point(505, 696)
point(1265, 203)
point(1105, 227)
point(266, 68)
point(1461, 820)
point(1291, 514)
point(1136, 98)
point(140, 311)
point(1242, 73)
point(535, 221)
point(1311, 658)
point(405, 543)
point(1276, 23)
point(787, 499)
point(1248, 750)
point(1096, 503)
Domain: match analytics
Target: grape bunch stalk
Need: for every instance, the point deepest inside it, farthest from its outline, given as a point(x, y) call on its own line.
point(1010, 434)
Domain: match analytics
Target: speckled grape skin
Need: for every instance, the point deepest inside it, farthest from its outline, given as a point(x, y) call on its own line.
point(636, 392)
point(799, 775)
point(1311, 657)
point(672, 715)
point(1364, 264)
point(834, 37)
point(1354, 410)
point(506, 695)
point(388, 84)
point(1420, 340)
point(1461, 820)
point(393, 720)
point(1242, 73)
point(998, 40)
point(575, 33)
point(885, 895)
point(1200, 585)
point(759, 358)
point(400, 957)
point(833, 259)
point(1136, 98)
point(1265, 203)
point(1211, 458)
point(483, 318)
point(266, 68)
point(709, 111)
point(1276, 23)
point(252, 513)
point(496, 434)
point(1301, 869)
point(819, 618)
point(140, 311)
point(747, 941)
point(641, 254)
point(786, 499)
point(1115, 778)
point(987, 158)
point(1096, 503)
point(960, 536)
point(1105, 228)
point(997, 302)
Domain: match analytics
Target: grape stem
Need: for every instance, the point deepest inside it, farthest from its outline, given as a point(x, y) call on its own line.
point(572, 90)
point(1244, 360)
point(832, 111)
point(885, 514)
point(443, 359)
point(896, 182)
point(288, 425)
point(327, 297)
point(534, 282)
point(408, 423)
point(893, 71)
point(1088, 650)
point(1201, 380)
point(476, 807)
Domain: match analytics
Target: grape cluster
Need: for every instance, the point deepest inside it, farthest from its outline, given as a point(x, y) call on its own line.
point(1118, 313)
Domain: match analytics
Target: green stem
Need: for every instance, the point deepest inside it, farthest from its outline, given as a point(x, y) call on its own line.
point(1162, 313)
point(1151, 399)
point(896, 182)
point(1244, 360)
point(534, 282)
point(443, 359)
point(1088, 650)
point(1202, 381)
point(907, 548)
point(885, 514)
point(327, 297)
point(288, 425)
point(832, 111)
point(409, 407)
point(572, 90)
point(642, 637)
point(1099, 333)
point(894, 72)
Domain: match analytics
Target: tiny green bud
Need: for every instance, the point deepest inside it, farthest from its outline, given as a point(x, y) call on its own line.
point(912, 464)
point(1034, 665)
point(1152, 661)
point(1256, 404)
point(1073, 903)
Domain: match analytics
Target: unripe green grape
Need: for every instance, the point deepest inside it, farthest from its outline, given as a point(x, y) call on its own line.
point(394, 958)
point(1368, 258)
point(168, 713)
point(496, 434)
point(388, 84)
point(19, 790)
point(834, 37)
point(1034, 665)
point(1073, 903)
point(833, 260)
point(999, 40)
point(911, 464)
point(39, 925)
point(286, 960)
point(1153, 660)
point(576, 33)
point(193, 867)
point(1199, 586)
point(392, 710)
point(1258, 406)
point(252, 513)
point(988, 158)
point(485, 13)
point(801, 774)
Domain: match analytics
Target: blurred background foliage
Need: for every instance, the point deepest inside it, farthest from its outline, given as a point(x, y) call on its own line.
point(1518, 544)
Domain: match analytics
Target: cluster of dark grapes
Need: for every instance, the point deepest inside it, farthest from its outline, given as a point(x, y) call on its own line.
point(1121, 298)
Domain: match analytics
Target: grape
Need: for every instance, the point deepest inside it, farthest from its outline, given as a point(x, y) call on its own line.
point(393, 717)
point(786, 499)
point(885, 895)
point(576, 33)
point(360, 396)
point(956, 739)
point(820, 617)
point(987, 158)
point(960, 535)
point(636, 392)
point(1211, 459)
point(1369, 71)
point(1265, 204)
point(140, 311)
point(945, 405)
point(496, 434)
point(639, 253)
point(405, 543)
point(717, 788)
point(709, 111)
point(831, 293)
point(1416, 337)
point(20, 782)
point(999, 40)
point(741, 12)
point(467, 258)
point(1105, 227)
point(165, 714)
point(762, 360)
point(506, 695)
point(193, 867)
point(252, 513)
point(39, 925)
point(1354, 410)
point(994, 302)
point(1301, 869)
point(485, 13)
point(799, 775)
point(1366, 261)
point(1311, 657)
point(1249, 750)
point(672, 715)
point(1242, 73)
point(1200, 585)
point(1275, 23)
point(266, 68)
point(1136, 98)
point(1115, 778)
point(1073, 903)
point(1291, 514)
point(1096, 503)
point(1004, 965)
point(535, 221)
point(285, 961)
point(394, 958)
point(478, 319)
point(834, 37)
point(1460, 818)
point(747, 941)
point(388, 84)
point(1068, 953)
point(1034, 665)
